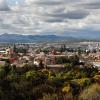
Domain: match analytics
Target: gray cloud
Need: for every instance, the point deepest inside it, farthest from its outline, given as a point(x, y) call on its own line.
point(54, 20)
point(51, 3)
point(4, 6)
point(54, 16)
point(95, 5)
point(78, 14)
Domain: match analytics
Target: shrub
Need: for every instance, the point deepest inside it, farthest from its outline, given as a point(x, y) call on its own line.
point(66, 89)
point(36, 77)
point(68, 66)
point(68, 76)
point(48, 73)
point(39, 91)
point(49, 97)
point(56, 97)
point(97, 78)
point(82, 82)
point(68, 96)
point(30, 74)
point(2, 73)
point(91, 93)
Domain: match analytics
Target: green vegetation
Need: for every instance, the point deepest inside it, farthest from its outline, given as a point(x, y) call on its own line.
point(91, 93)
point(31, 83)
point(74, 60)
point(19, 50)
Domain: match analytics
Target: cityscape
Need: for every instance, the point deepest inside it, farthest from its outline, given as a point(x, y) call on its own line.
point(47, 52)
point(49, 49)
point(57, 61)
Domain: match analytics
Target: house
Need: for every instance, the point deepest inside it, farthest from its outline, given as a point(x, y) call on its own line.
point(2, 63)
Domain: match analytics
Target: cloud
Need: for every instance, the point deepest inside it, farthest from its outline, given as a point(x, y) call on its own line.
point(50, 16)
point(95, 5)
point(77, 14)
point(89, 5)
point(4, 6)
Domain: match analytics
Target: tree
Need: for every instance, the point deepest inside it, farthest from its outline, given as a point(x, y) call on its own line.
point(2, 72)
point(62, 60)
point(63, 48)
point(74, 60)
point(41, 65)
point(68, 66)
point(79, 51)
point(14, 48)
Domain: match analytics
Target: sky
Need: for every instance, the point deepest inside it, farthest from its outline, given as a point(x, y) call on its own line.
point(60, 17)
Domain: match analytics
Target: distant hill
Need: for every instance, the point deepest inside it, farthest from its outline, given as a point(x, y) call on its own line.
point(31, 38)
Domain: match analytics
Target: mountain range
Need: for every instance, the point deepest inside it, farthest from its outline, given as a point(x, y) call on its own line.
point(38, 38)
point(32, 38)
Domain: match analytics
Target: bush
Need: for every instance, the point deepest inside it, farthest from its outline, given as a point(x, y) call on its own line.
point(91, 93)
point(36, 77)
point(82, 82)
point(66, 89)
point(39, 91)
point(2, 73)
point(68, 76)
point(50, 97)
point(30, 74)
point(68, 66)
point(68, 96)
point(97, 78)
point(48, 73)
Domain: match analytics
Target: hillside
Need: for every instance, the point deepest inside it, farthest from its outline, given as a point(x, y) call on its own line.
point(31, 38)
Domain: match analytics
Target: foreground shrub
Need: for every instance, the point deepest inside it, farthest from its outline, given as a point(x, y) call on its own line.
point(50, 97)
point(36, 77)
point(82, 82)
point(66, 89)
point(56, 97)
point(91, 93)
point(97, 78)
point(39, 91)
